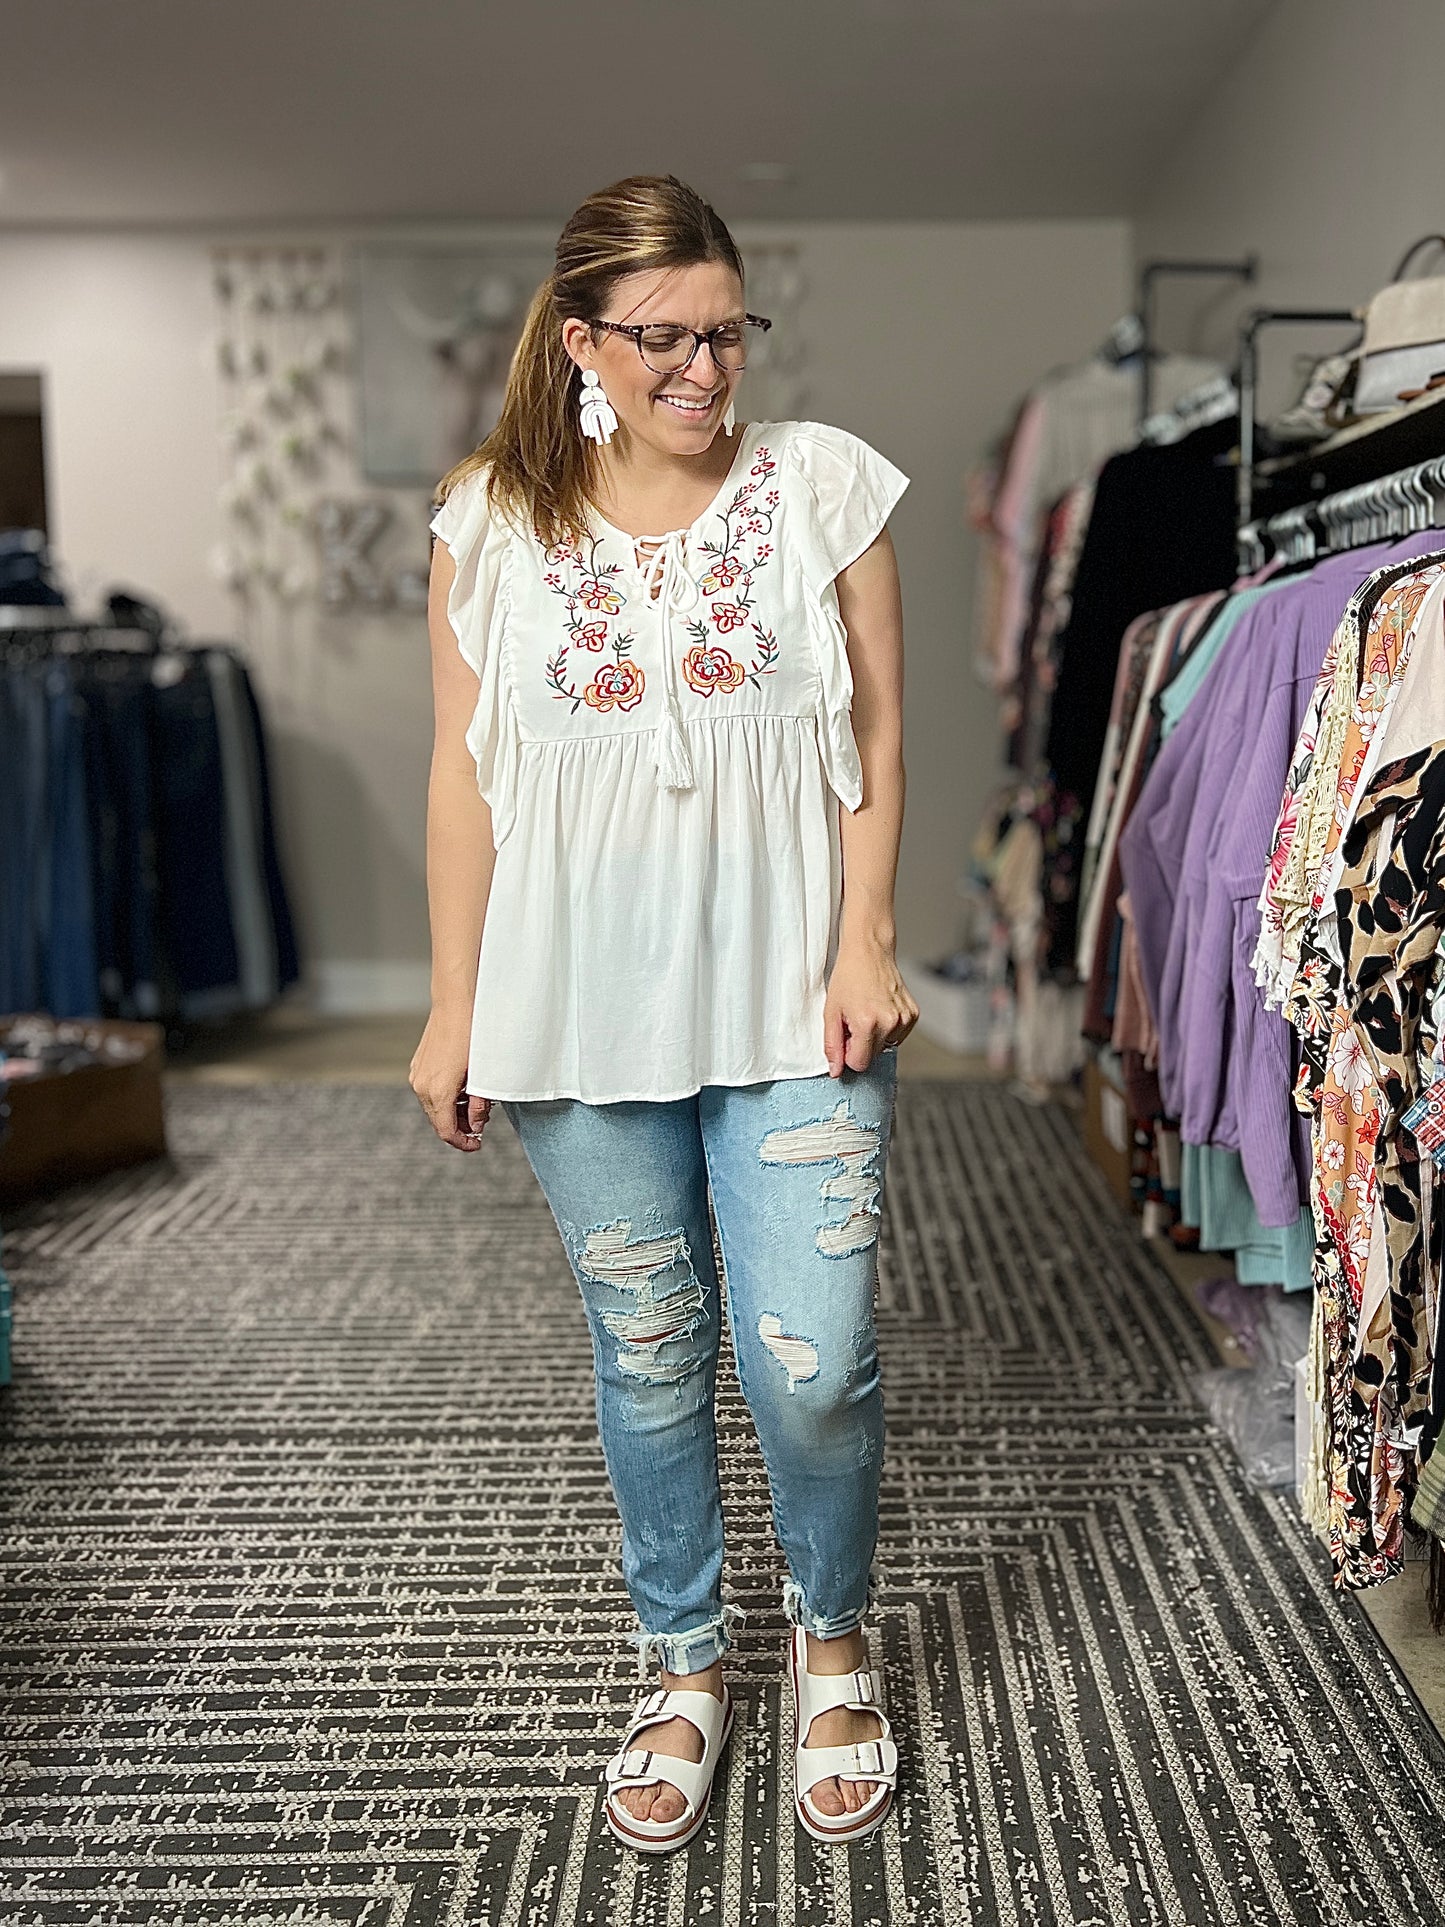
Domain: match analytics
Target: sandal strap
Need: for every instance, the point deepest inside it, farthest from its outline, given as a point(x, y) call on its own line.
point(638, 1767)
point(633, 1765)
point(863, 1760)
point(698, 1709)
point(822, 1692)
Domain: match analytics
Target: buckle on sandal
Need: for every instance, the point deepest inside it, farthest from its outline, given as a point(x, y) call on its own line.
point(863, 1689)
point(654, 1702)
point(624, 1770)
point(870, 1756)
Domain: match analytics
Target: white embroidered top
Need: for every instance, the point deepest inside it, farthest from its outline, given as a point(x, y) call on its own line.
point(663, 735)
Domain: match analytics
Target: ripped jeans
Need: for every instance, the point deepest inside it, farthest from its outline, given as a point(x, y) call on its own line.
point(795, 1168)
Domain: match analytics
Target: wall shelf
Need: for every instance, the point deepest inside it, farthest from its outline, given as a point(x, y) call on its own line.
point(1366, 449)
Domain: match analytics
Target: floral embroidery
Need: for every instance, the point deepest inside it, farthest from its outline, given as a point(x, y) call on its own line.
point(585, 583)
point(722, 575)
point(619, 685)
point(709, 669)
point(593, 593)
point(734, 561)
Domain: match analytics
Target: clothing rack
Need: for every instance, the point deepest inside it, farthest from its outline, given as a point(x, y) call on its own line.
point(1151, 273)
point(47, 628)
point(1250, 330)
point(75, 638)
point(1390, 506)
point(139, 869)
point(1215, 401)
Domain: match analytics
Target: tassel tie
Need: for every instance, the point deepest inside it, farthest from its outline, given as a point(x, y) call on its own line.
point(668, 580)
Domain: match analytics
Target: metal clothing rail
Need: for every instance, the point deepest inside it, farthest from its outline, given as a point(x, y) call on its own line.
point(1404, 503)
point(1154, 271)
point(73, 635)
point(1250, 330)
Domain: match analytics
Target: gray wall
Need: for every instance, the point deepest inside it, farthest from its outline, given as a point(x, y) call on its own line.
point(1320, 150)
point(920, 337)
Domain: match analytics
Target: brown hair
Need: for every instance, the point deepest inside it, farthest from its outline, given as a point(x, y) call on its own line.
point(541, 470)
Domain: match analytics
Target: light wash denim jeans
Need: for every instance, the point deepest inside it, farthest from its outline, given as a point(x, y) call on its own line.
point(795, 1168)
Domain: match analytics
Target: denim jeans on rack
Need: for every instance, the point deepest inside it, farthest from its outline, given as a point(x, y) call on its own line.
point(288, 962)
point(47, 938)
point(69, 982)
point(197, 934)
point(795, 1170)
point(127, 908)
point(23, 736)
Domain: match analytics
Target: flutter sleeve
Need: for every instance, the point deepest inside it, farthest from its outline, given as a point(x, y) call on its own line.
point(849, 491)
point(854, 489)
point(480, 544)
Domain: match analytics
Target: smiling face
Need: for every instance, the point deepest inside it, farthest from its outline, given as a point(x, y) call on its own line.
point(676, 414)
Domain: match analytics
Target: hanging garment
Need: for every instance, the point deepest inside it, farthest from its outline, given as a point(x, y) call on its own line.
point(1066, 427)
point(663, 744)
point(1162, 529)
point(139, 877)
point(1376, 1348)
point(1173, 631)
point(125, 885)
point(47, 933)
point(258, 979)
point(1362, 1001)
point(1192, 856)
point(1336, 747)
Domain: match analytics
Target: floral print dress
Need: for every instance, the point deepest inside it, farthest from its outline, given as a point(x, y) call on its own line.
point(1339, 824)
point(663, 734)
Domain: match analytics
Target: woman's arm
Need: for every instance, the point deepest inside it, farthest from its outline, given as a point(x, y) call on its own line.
point(459, 861)
point(868, 1004)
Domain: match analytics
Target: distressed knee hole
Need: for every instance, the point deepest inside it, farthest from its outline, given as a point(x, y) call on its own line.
point(607, 1255)
point(797, 1356)
point(839, 1139)
point(658, 1316)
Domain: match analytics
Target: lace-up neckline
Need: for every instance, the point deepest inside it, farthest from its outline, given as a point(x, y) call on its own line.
point(645, 550)
point(746, 436)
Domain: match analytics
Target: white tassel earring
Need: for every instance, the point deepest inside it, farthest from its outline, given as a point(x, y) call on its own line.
point(730, 419)
point(598, 420)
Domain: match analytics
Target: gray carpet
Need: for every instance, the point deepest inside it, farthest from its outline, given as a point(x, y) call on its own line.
point(311, 1612)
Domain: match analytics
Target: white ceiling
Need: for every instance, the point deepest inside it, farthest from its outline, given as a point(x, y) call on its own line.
point(121, 111)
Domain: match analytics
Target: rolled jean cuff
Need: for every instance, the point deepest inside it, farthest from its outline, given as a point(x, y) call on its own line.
point(796, 1611)
point(691, 1652)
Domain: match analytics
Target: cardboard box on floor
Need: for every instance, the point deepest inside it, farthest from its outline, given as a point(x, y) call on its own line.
point(73, 1124)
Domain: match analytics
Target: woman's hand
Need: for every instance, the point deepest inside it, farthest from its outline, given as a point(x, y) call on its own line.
point(868, 1005)
point(439, 1077)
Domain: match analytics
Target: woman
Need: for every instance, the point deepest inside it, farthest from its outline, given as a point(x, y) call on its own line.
point(644, 951)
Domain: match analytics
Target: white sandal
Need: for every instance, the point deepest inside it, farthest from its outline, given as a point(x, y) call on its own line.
point(633, 1766)
point(815, 1693)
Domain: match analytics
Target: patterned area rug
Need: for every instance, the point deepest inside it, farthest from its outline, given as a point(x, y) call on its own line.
point(312, 1610)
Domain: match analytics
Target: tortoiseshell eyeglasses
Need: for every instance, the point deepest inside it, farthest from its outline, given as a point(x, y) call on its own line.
point(664, 346)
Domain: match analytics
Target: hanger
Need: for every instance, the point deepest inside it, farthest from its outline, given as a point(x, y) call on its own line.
point(1124, 341)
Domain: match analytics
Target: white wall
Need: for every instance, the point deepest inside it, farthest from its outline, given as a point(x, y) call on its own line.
point(1320, 150)
point(119, 327)
point(919, 337)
